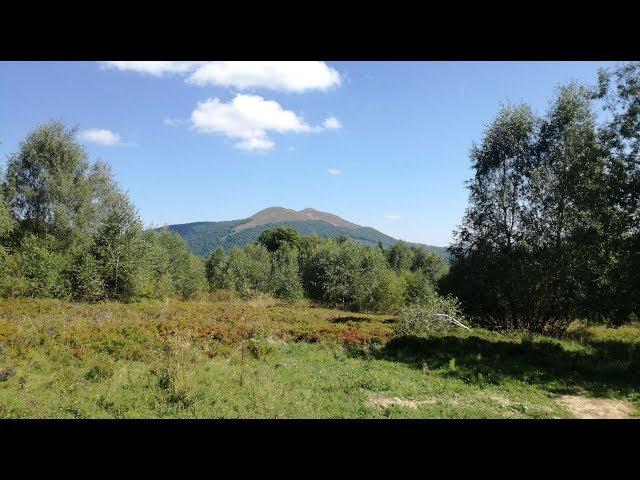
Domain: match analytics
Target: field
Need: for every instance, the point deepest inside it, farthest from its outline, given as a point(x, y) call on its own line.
point(264, 359)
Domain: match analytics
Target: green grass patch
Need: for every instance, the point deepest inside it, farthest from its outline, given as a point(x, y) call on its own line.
point(235, 359)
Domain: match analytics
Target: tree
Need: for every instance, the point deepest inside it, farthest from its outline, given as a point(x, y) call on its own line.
point(7, 223)
point(85, 282)
point(342, 274)
point(47, 184)
point(619, 89)
point(429, 264)
point(486, 256)
point(41, 268)
point(400, 256)
point(117, 248)
point(567, 210)
point(285, 274)
point(246, 271)
point(531, 250)
point(275, 238)
point(215, 268)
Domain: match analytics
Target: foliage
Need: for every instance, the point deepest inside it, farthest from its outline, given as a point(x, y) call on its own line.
point(529, 253)
point(117, 249)
point(619, 89)
point(285, 274)
point(41, 268)
point(278, 237)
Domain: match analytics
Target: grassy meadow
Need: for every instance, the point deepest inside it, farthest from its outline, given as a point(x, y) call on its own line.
point(266, 359)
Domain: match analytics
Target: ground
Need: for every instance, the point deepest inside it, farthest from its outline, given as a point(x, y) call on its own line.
point(265, 359)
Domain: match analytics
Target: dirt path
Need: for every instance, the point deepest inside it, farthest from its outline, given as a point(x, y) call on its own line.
point(584, 407)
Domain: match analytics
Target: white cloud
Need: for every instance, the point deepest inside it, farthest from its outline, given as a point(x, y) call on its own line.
point(392, 217)
point(155, 68)
point(331, 123)
point(295, 77)
point(247, 118)
point(334, 171)
point(286, 76)
point(100, 136)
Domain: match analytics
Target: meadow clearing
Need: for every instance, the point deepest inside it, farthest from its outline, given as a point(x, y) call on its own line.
point(263, 358)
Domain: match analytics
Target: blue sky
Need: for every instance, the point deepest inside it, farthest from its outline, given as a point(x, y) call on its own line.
point(382, 144)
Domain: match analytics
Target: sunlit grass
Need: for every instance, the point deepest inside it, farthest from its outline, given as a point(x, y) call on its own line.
point(264, 359)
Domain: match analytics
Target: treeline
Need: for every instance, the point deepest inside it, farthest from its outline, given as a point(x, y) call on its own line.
point(552, 229)
point(68, 231)
point(551, 233)
point(334, 272)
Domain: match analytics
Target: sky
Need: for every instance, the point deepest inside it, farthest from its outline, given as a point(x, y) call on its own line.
point(381, 144)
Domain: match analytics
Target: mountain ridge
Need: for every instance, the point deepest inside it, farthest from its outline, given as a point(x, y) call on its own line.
point(203, 237)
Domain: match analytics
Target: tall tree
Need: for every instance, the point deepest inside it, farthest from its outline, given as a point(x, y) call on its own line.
point(47, 183)
point(117, 248)
point(567, 209)
point(487, 254)
point(619, 89)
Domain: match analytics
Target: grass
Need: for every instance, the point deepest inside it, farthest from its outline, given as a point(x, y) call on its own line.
point(264, 359)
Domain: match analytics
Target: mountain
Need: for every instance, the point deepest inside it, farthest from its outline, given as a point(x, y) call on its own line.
point(203, 237)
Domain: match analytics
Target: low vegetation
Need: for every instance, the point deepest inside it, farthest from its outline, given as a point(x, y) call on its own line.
point(269, 359)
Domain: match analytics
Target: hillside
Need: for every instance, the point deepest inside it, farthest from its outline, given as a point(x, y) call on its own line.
point(203, 237)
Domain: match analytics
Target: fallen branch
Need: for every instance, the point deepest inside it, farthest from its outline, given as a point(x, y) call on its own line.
point(453, 320)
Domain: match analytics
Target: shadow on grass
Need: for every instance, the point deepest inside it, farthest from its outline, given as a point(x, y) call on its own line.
point(599, 368)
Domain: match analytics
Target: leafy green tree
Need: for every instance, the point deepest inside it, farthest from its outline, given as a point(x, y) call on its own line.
point(531, 247)
point(275, 238)
point(390, 293)
point(619, 89)
point(429, 264)
point(191, 281)
point(47, 184)
point(247, 271)
point(400, 256)
point(486, 255)
point(84, 278)
point(215, 268)
point(345, 275)
point(566, 211)
point(6, 227)
point(285, 273)
point(117, 248)
point(7, 223)
point(42, 268)
point(417, 287)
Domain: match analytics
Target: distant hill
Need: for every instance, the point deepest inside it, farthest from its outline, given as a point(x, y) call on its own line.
point(203, 237)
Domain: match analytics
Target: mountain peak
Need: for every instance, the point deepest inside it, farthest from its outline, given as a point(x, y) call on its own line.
point(280, 214)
